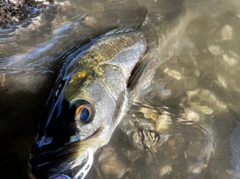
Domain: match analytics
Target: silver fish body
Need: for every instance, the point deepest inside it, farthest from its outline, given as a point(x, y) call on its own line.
point(89, 99)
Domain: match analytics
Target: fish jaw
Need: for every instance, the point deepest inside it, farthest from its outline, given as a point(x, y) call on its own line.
point(96, 76)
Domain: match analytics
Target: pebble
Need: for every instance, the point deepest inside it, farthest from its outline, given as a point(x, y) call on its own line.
point(227, 32)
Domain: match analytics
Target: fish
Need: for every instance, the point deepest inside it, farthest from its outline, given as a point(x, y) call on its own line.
point(88, 100)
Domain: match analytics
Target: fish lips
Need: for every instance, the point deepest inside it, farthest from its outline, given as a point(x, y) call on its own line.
point(57, 164)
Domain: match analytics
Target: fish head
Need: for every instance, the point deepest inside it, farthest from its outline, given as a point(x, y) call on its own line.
point(86, 104)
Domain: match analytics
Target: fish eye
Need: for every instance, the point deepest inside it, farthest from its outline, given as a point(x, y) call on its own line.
point(84, 113)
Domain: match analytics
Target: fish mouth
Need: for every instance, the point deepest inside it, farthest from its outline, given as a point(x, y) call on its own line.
point(72, 160)
point(81, 171)
point(68, 162)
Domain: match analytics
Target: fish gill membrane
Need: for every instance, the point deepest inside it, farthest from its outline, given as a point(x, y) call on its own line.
point(93, 91)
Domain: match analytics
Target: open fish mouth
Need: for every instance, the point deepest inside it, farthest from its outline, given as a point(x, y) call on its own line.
point(69, 162)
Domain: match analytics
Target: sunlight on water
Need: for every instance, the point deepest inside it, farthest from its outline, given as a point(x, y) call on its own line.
point(184, 120)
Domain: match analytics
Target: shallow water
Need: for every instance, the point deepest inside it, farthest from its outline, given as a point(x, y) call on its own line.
point(190, 101)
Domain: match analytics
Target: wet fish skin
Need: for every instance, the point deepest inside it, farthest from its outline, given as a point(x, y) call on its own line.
point(97, 75)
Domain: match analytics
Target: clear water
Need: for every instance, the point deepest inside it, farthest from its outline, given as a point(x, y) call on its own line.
point(184, 122)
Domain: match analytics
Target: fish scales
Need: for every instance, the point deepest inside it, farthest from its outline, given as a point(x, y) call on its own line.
point(88, 101)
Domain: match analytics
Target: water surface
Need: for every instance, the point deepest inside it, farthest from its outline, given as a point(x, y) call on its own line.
point(190, 100)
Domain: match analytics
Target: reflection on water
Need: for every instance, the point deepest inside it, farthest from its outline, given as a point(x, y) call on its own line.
point(184, 119)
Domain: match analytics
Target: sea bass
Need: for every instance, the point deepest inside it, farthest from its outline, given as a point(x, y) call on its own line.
point(86, 104)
